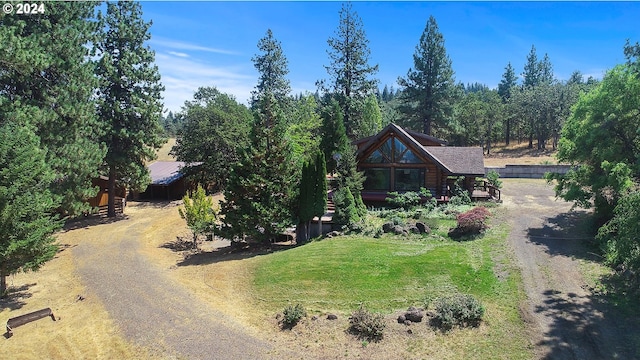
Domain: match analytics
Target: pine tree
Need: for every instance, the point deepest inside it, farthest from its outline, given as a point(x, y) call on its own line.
point(531, 73)
point(261, 193)
point(350, 73)
point(130, 100)
point(428, 89)
point(26, 203)
point(47, 81)
point(273, 68)
point(507, 83)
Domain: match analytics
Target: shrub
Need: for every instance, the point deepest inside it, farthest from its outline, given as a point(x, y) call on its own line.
point(472, 221)
point(367, 325)
point(293, 314)
point(493, 179)
point(406, 200)
point(457, 310)
point(346, 209)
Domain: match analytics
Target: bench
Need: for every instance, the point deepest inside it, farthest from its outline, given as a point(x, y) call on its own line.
point(27, 318)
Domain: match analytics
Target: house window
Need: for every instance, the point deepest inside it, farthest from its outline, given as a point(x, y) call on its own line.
point(409, 179)
point(382, 155)
point(377, 179)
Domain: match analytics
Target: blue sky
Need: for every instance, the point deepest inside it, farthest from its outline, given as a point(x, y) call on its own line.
point(207, 43)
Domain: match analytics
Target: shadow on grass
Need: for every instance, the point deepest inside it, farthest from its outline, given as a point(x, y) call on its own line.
point(233, 252)
point(88, 221)
point(179, 244)
point(16, 296)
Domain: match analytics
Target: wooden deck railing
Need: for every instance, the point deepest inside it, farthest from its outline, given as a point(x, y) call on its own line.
point(493, 191)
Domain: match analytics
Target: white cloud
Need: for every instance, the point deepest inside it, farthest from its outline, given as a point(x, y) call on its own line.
point(178, 54)
point(182, 76)
point(180, 45)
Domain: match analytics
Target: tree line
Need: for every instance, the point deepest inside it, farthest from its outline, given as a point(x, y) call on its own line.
point(80, 96)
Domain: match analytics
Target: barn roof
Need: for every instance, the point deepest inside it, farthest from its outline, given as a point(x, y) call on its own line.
point(165, 172)
point(455, 160)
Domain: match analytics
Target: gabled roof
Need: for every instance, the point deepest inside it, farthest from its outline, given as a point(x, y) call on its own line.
point(454, 160)
point(392, 127)
point(165, 172)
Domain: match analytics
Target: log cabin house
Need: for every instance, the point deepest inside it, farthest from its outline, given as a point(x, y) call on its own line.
point(400, 160)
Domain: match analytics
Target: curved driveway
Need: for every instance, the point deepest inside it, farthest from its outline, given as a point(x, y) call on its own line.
point(151, 309)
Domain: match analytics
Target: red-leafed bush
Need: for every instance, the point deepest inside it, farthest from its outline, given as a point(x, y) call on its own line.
point(471, 222)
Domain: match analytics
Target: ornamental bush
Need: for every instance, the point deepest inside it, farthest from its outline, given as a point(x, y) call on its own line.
point(293, 314)
point(472, 221)
point(366, 324)
point(457, 310)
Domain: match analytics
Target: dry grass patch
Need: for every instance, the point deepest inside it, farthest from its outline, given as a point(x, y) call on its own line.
point(163, 152)
point(84, 329)
point(519, 154)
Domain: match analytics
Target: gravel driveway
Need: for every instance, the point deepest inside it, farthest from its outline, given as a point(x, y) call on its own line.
point(151, 309)
point(566, 320)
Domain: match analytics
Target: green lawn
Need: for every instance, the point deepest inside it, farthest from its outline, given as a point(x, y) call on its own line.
point(393, 272)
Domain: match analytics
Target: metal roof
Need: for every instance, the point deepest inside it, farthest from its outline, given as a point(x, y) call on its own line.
point(165, 172)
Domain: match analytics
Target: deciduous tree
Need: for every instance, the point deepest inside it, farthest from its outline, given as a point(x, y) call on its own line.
point(214, 129)
point(199, 213)
point(602, 141)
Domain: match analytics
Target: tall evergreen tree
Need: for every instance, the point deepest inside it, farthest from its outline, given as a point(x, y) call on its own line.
point(47, 80)
point(506, 85)
point(26, 203)
point(332, 132)
point(350, 73)
point(428, 90)
point(130, 101)
point(531, 73)
point(261, 193)
point(272, 65)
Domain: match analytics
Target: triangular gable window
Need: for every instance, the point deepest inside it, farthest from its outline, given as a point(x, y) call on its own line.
point(393, 151)
point(381, 155)
point(403, 155)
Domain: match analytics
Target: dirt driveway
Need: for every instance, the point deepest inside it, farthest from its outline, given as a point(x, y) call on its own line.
point(566, 320)
point(151, 309)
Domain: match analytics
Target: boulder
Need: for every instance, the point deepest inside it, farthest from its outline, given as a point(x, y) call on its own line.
point(332, 317)
point(414, 315)
point(423, 228)
point(401, 319)
point(387, 227)
point(398, 230)
point(414, 229)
